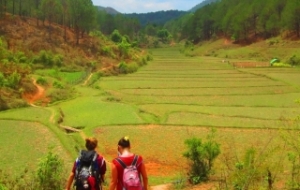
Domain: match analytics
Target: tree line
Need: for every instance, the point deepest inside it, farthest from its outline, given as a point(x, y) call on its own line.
point(79, 15)
point(243, 19)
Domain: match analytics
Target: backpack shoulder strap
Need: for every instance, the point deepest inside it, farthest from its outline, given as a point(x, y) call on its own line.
point(134, 162)
point(121, 162)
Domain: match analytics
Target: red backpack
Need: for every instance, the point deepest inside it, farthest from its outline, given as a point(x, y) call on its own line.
point(131, 176)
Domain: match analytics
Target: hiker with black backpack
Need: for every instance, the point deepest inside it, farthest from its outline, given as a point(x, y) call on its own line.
point(128, 169)
point(89, 168)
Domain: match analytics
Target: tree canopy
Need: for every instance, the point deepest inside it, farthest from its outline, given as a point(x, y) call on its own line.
point(243, 19)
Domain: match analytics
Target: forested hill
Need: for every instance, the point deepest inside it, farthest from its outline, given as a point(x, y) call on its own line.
point(244, 20)
point(202, 4)
point(160, 17)
point(108, 10)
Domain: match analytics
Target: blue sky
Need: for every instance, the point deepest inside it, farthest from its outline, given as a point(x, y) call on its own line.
point(144, 6)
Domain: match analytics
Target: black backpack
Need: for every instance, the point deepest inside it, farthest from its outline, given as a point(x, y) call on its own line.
point(86, 167)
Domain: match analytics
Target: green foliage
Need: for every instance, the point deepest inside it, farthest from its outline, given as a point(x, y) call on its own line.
point(2, 187)
point(124, 48)
point(106, 50)
point(47, 59)
point(240, 20)
point(125, 68)
point(149, 57)
point(202, 155)
point(42, 81)
point(116, 36)
point(164, 35)
point(49, 172)
point(245, 171)
point(294, 60)
point(58, 60)
point(57, 84)
point(13, 80)
point(22, 180)
point(292, 139)
point(142, 61)
point(2, 80)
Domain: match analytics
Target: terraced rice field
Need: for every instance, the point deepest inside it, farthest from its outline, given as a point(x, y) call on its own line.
point(179, 97)
point(177, 90)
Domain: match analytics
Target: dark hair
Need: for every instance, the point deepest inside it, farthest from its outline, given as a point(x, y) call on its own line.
point(91, 143)
point(124, 142)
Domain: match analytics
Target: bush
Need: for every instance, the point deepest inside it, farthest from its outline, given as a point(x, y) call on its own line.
point(13, 80)
point(124, 47)
point(202, 156)
point(45, 58)
point(57, 84)
point(2, 187)
point(142, 61)
point(106, 50)
point(116, 36)
point(149, 57)
point(125, 68)
point(294, 60)
point(58, 60)
point(49, 173)
point(2, 80)
point(42, 81)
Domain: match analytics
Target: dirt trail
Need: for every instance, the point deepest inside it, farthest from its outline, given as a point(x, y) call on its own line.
point(39, 95)
point(88, 79)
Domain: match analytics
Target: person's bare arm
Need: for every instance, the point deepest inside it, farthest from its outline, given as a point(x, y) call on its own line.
point(70, 180)
point(144, 176)
point(114, 177)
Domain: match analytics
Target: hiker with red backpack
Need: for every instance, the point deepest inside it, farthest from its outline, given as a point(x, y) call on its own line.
point(89, 168)
point(128, 169)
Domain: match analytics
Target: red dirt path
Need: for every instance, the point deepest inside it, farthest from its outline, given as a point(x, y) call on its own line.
point(39, 94)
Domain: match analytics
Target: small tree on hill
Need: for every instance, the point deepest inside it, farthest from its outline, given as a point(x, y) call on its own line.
point(202, 155)
point(116, 36)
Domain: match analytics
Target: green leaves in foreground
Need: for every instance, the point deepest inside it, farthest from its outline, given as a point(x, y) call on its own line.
point(202, 155)
point(49, 173)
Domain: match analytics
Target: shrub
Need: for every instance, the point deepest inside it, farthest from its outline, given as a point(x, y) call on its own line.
point(2, 80)
point(106, 50)
point(58, 60)
point(292, 140)
point(125, 68)
point(45, 58)
point(294, 60)
point(124, 47)
point(60, 94)
point(149, 57)
point(49, 173)
point(42, 81)
point(202, 156)
point(116, 36)
point(2, 187)
point(142, 61)
point(13, 80)
point(57, 84)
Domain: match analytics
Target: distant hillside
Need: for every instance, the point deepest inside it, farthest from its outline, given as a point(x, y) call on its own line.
point(202, 4)
point(109, 10)
point(160, 17)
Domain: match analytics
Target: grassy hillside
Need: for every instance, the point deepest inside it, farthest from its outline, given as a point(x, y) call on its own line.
point(262, 51)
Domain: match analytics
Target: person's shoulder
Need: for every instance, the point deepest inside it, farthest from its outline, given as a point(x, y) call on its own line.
point(100, 157)
point(140, 158)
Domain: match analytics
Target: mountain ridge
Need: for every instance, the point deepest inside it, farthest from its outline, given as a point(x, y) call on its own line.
point(202, 4)
point(108, 10)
